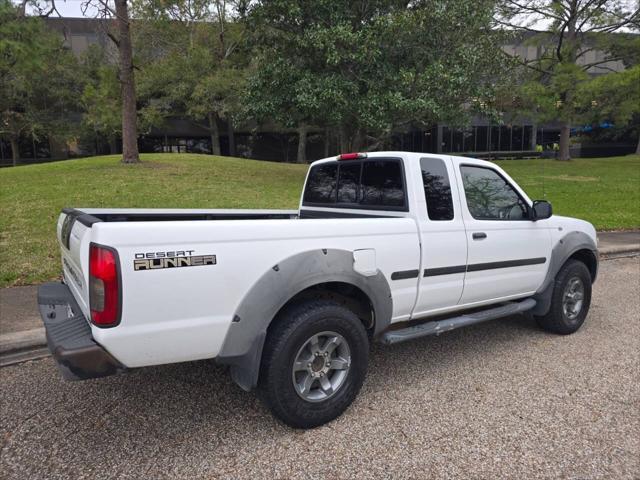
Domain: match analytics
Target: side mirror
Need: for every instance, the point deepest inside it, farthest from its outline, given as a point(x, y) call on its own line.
point(541, 210)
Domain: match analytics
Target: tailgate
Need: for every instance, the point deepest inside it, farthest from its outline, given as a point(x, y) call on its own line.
point(73, 233)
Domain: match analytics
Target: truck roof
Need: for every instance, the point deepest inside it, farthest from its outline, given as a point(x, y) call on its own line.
point(411, 156)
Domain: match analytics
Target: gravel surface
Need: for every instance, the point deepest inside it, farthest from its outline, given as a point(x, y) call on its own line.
point(499, 400)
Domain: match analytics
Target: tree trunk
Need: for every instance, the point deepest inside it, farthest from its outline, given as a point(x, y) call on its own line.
point(564, 154)
point(113, 144)
point(569, 51)
point(358, 141)
point(350, 140)
point(638, 146)
point(344, 141)
point(232, 137)
point(15, 150)
point(534, 138)
point(327, 139)
point(302, 143)
point(129, 111)
point(214, 131)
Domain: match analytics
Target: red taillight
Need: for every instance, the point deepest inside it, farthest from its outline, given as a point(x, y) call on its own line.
point(104, 286)
point(351, 156)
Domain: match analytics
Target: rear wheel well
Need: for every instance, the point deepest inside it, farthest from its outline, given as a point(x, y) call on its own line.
point(589, 259)
point(342, 293)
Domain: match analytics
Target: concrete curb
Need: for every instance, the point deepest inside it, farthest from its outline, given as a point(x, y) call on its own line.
point(27, 340)
point(630, 249)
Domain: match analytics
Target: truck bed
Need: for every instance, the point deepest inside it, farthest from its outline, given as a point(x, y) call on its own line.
point(92, 215)
point(183, 314)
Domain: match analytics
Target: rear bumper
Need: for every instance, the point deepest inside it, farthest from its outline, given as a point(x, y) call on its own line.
point(69, 338)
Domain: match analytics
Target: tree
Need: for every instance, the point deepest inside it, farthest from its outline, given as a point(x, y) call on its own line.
point(37, 82)
point(577, 28)
point(194, 60)
point(293, 97)
point(613, 97)
point(122, 39)
point(100, 100)
point(366, 68)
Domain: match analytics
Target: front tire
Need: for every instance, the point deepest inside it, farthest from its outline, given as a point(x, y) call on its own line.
point(314, 363)
point(570, 300)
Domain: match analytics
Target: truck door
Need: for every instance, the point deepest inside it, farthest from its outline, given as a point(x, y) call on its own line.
point(442, 236)
point(508, 252)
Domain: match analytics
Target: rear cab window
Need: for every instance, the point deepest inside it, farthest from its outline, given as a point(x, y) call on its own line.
point(321, 185)
point(368, 184)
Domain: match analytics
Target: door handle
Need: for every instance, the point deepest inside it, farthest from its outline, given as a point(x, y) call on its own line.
point(479, 236)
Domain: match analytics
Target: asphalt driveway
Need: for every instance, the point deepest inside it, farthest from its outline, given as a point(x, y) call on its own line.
point(499, 400)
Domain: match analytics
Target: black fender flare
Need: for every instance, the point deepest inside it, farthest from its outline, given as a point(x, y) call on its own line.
point(242, 347)
point(569, 244)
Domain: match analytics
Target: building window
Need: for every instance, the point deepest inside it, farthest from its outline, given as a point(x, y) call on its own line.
point(447, 140)
point(526, 137)
point(482, 139)
point(494, 144)
point(516, 138)
point(505, 138)
point(469, 139)
point(457, 141)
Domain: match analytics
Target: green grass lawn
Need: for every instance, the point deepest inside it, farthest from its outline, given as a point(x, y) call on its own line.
point(603, 191)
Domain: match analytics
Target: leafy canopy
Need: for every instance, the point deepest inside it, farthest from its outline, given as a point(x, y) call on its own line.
point(38, 85)
point(370, 66)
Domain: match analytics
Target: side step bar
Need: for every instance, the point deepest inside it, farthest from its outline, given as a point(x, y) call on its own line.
point(440, 326)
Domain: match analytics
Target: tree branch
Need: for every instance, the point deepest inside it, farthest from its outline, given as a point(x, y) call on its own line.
point(560, 41)
point(600, 62)
point(615, 26)
point(519, 27)
point(608, 68)
point(528, 8)
point(527, 63)
point(51, 10)
point(584, 9)
point(113, 38)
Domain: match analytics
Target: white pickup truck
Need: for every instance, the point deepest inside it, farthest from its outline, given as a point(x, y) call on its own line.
point(386, 246)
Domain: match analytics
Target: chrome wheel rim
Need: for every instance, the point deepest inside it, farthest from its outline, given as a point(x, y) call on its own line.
point(321, 366)
point(573, 298)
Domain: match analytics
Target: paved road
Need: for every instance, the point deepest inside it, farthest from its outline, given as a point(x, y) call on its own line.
point(19, 309)
point(500, 400)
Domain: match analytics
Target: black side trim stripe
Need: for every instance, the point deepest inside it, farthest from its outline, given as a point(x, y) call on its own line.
point(405, 274)
point(508, 264)
point(433, 272)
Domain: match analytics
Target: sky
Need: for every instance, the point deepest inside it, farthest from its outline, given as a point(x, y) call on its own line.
point(73, 8)
point(70, 8)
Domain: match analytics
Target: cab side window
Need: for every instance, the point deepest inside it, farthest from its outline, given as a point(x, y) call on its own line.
point(437, 189)
point(490, 197)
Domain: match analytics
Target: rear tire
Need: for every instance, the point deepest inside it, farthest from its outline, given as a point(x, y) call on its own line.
point(314, 363)
point(570, 300)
